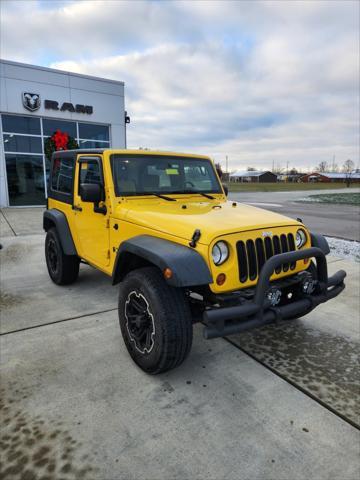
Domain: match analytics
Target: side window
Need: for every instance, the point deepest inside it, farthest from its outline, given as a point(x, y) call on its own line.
point(90, 172)
point(62, 175)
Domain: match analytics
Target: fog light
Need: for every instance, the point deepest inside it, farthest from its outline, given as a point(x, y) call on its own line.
point(220, 279)
point(274, 295)
point(308, 284)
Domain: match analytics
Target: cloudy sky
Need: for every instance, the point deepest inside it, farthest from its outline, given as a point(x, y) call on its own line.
point(259, 81)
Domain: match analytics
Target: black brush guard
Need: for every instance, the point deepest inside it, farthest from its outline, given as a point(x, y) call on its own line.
point(257, 312)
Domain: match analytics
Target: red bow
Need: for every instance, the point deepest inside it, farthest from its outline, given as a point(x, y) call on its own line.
point(61, 140)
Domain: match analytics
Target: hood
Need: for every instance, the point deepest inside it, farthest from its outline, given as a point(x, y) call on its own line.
point(212, 218)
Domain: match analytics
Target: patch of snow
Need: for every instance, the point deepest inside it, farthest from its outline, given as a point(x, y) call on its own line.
point(309, 200)
point(265, 204)
point(348, 249)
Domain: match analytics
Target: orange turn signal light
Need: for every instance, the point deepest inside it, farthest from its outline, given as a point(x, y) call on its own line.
point(168, 273)
point(306, 260)
point(220, 279)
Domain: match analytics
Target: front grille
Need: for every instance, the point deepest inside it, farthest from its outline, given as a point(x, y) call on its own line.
point(253, 254)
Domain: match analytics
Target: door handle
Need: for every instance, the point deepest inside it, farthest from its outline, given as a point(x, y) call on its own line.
point(77, 208)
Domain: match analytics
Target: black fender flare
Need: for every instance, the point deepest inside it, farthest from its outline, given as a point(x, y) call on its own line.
point(54, 217)
point(319, 241)
point(188, 266)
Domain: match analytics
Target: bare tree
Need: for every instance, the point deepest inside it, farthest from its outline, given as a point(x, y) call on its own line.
point(279, 170)
point(322, 167)
point(348, 167)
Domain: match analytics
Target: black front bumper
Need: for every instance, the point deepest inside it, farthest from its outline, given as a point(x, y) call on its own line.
point(258, 311)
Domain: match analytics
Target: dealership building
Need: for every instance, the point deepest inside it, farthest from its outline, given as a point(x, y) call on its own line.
point(35, 102)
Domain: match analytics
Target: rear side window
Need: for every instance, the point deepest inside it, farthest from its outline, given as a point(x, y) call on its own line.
point(62, 175)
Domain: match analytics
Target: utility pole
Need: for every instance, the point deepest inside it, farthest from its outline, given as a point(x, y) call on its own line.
point(227, 164)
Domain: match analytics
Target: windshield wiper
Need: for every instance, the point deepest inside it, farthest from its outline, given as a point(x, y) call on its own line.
point(169, 199)
point(206, 195)
point(196, 193)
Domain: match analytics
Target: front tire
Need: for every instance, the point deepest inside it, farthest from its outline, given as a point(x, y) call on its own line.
point(155, 321)
point(63, 269)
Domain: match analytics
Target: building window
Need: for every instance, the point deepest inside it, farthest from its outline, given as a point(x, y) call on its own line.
point(93, 144)
point(90, 131)
point(22, 143)
point(50, 127)
point(17, 124)
point(27, 168)
point(25, 178)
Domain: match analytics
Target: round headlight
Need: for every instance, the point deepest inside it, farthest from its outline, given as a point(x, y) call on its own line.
point(300, 238)
point(220, 253)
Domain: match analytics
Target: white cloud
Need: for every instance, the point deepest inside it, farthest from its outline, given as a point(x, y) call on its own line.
point(258, 81)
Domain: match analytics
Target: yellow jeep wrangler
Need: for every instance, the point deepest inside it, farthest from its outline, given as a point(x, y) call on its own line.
point(160, 225)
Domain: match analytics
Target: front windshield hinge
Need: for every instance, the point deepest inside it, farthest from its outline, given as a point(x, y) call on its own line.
point(195, 238)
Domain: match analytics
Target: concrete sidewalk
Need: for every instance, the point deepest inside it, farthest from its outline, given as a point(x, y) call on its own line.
point(77, 407)
point(21, 221)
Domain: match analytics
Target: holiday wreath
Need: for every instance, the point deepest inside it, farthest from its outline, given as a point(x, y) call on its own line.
point(59, 141)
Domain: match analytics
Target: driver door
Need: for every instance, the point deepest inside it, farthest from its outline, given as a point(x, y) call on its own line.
point(92, 227)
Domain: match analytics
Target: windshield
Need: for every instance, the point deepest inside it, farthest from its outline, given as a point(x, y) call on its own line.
point(159, 174)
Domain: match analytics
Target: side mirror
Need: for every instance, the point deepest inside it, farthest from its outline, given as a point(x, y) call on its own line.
point(91, 192)
point(226, 190)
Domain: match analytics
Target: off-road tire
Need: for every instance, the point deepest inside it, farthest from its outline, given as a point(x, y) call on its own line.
point(168, 313)
point(63, 269)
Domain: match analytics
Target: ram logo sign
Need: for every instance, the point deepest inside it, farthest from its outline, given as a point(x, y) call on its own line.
point(31, 101)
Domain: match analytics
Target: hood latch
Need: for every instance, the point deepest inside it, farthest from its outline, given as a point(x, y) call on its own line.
point(195, 238)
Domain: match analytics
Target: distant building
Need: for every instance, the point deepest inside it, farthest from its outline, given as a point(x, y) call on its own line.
point(253, 176)
point(290, 178)
point(330, 177)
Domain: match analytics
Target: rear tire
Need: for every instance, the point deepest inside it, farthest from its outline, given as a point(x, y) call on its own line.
point(155, 321)
point(63, 269)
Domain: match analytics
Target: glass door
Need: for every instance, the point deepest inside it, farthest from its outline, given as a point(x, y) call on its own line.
point(25, 179)
point(23, 148)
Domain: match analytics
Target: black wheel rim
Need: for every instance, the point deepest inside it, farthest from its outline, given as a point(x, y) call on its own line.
point(53, 257)
point(140, 322)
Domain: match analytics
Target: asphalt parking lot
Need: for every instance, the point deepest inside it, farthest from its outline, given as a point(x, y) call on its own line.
point(341, 221)
point(278, 403)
